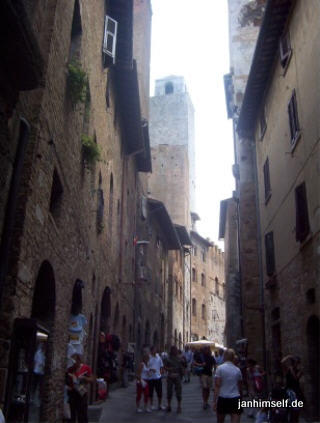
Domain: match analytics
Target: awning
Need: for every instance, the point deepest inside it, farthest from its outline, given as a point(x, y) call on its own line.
point(183, 235)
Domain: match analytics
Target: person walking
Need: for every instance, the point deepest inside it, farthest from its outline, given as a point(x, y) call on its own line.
point(143, 375)
point(79, 375)
point(219, 357)
point(188, 355)
point(208, 363)
point(174, 367)
point(255, 376)
point(155, 382)
point(228, 389)
point(292, 377)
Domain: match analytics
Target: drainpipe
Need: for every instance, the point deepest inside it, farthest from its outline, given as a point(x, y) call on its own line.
point(255, 171)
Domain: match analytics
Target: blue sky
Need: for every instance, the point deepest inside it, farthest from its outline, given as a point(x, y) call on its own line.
point(191, 39)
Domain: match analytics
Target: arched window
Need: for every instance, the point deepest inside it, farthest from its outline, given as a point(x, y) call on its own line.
point(194, 306)
point(203, 311)
point(44, 297)
point(194, 275)
point(203, 279)
point(168, 88)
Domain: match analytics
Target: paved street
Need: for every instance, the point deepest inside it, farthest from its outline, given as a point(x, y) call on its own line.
point(120, 407)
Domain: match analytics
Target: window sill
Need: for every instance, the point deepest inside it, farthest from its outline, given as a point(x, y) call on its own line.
point(266, 201)
point(285, 67)
point(295, 142)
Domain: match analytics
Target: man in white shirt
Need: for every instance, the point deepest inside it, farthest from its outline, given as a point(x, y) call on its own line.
point(228, 389)
point(155, 383)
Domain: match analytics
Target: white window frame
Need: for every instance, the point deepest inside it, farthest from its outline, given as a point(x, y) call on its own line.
point(108, 34)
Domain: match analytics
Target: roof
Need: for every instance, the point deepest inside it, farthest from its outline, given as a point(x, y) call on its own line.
point(201, 239)
point(122, 12)
point(183, 235)
point(161, 213)
point(223, 216)
point(275, 18)
point(127, 92)
point(144, 163)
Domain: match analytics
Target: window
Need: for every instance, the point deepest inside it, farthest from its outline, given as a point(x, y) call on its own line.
point(203, 311)
point(302, 215)
point(203, 256)
point(76, 33)
point(216, 285)
point(194, 275)
point(267, 185)
point(263, 122)
point(168, 88)
point(194, 250)
point(270, 258)
point(100, 208)
point(109, 41)
point(194, 306)
point(285, 50)
point(293, 119)
point(203, 279)
point(56, 195)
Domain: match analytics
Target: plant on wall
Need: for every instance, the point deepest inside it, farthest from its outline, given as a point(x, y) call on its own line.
point(90, 150)
point(77, 83)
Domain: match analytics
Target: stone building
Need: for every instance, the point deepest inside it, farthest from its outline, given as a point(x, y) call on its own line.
point(173, 182)
point(245, 17)
point(279, 119)
point(207, 290)
point(156, 237)
point(73, 143)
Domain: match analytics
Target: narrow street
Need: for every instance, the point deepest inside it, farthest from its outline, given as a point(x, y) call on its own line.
point(120, 407)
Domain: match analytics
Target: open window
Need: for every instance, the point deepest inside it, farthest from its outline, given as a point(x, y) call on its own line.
point(109, 41)
point(285, 50)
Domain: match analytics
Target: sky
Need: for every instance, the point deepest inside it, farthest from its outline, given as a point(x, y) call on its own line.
point(190, 39)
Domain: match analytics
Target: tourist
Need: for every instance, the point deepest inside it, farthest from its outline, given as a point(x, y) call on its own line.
point(292, 374)
point(207, 362)
point(219, 357)
point(228, 389)
point(143, 384)
point(188, 355)
point(255, 376)
point(79, 375)
point(155, 382)
point(174, 367)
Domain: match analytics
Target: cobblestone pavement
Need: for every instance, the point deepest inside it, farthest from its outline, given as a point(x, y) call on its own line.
point(120, 407)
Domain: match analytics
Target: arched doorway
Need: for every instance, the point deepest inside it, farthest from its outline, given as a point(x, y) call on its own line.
point(105, 313)
point(313, 345)
point(31, 353)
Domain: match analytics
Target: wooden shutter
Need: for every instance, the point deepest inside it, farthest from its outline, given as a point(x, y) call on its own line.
point(270, 259)
point(110, 38)
point(302, 215)
point(293, 117)
point(285, 49)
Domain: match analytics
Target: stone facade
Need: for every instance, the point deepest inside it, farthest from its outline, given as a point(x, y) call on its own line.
point(290, 265)
point(70, 221)
point(245, 18)
point(207, 290)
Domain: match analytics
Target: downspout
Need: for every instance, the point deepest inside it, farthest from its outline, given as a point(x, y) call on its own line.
point(255, 171)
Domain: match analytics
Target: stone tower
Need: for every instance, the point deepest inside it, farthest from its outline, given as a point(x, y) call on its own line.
point(172, 143)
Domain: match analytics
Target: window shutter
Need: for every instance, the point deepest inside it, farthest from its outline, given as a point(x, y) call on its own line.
point(302, 215)
point(110, 38)
point(285, 49)
point(293, 117)
point(270, 259)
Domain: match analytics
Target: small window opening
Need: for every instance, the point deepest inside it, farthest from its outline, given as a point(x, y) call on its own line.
point(267, 185)
point(302, 214)
point(76, 33)
point(285, 49)
point(270, 256)
point(293, 119)
point(169, 88)
point(56, 195)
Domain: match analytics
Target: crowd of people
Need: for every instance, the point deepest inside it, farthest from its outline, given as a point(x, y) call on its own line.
point(226, 374)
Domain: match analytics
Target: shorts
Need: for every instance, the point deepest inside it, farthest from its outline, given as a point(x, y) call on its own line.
point(157, 385)
point(206, 381)
point(176, 383)
point(228, 406)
